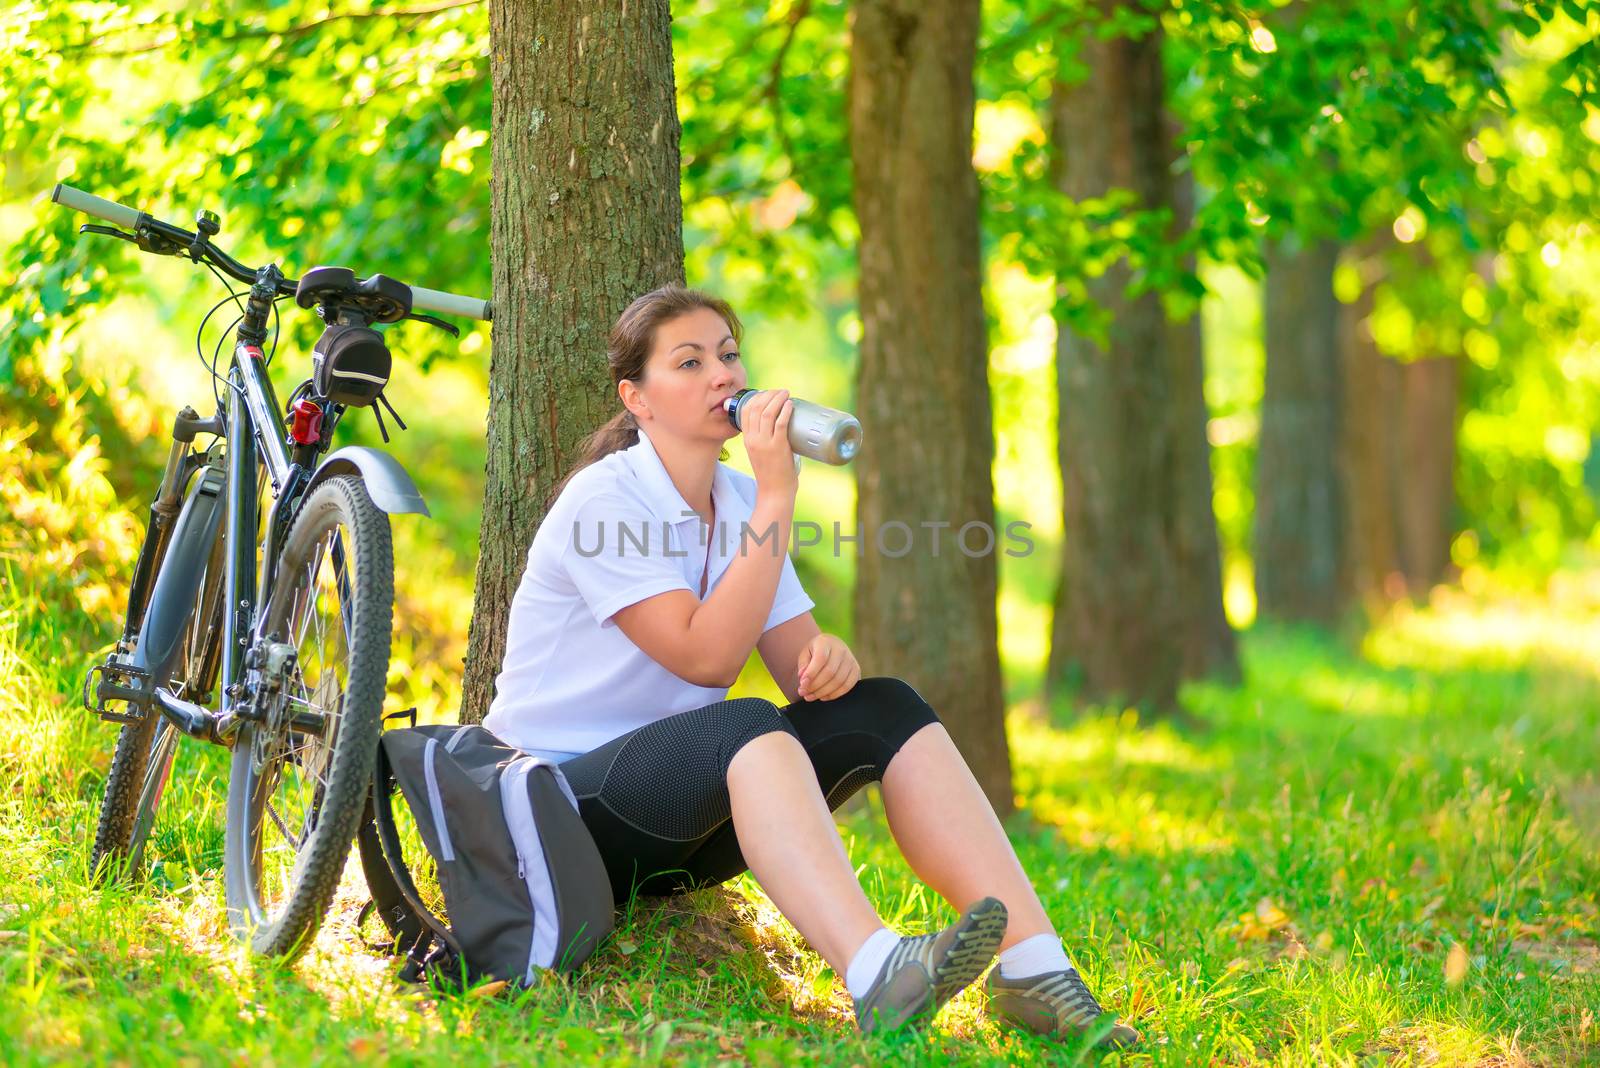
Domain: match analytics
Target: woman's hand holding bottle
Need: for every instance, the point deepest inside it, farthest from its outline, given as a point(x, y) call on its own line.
point(765, 427)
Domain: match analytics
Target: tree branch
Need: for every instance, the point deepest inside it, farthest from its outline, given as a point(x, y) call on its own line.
point(774, 89)
point(297, 30)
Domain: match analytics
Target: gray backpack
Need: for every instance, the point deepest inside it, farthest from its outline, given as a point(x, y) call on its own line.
point(524, 886)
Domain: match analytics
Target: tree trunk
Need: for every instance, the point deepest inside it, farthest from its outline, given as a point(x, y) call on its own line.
point(1427, 452)
point(1399, 431)
point(1139, 605)
point(1209, 648)
point(1371, 414)
point(585, 216)
point(1300, 509)
point(926, 615)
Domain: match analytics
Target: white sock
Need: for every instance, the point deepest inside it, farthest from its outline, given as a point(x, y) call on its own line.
point(868, 961)
point(1033, 956)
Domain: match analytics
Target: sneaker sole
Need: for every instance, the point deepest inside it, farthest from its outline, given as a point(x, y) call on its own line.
point(978, 935)
point(974, 949)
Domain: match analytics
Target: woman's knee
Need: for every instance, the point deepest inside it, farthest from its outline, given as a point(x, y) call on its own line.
point(895, 708)
point(743, 720)
point(874, 720)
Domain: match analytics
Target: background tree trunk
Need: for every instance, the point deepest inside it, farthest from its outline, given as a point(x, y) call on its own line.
point(1430, 394)
point(1209, 646)
point(1399, 445)
point(1139, 604)
point(1371, 414)
point(923, 389)
point(585, 216)
point(1300, 509)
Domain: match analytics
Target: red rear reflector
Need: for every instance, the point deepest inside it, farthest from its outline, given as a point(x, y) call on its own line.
point(305, 422)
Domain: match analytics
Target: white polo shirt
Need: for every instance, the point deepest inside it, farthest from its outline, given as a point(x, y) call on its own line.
point(620, 532)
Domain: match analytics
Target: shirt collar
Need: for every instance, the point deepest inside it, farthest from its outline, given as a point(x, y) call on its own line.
point(665, 502)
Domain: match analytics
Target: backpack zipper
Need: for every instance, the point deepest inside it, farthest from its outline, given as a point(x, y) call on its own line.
point(524, 839)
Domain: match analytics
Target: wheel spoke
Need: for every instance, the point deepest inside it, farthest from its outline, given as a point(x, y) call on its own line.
point(283, 828)
point(322, 589)
point(341, 574)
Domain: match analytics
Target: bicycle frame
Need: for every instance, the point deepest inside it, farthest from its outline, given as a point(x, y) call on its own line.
point(256, 453)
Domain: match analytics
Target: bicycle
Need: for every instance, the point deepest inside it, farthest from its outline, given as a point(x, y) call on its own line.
point(292, 632)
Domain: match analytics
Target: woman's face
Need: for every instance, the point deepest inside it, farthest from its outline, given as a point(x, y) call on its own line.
point(693, 367)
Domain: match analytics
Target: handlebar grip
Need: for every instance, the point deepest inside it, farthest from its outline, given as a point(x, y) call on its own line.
point(451, 303)
point(99, 207)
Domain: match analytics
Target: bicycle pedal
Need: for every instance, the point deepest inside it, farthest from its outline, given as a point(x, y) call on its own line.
point(111, 688)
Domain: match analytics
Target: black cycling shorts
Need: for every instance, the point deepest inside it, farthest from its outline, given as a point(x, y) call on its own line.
point(656, 799)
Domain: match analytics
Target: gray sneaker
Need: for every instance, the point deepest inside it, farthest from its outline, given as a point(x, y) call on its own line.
point(924, 972)
point(1055, 1003)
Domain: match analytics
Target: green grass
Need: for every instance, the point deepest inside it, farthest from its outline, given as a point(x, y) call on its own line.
point(1284, 886)
point(1289, 884)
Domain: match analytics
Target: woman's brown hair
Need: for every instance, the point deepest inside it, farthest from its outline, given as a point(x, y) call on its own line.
point(627, 353)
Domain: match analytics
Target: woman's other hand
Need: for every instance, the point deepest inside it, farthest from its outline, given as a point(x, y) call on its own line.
point(828, 669)
point(764, 424)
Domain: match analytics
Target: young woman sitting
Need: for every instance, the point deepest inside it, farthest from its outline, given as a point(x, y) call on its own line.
point(656, 571)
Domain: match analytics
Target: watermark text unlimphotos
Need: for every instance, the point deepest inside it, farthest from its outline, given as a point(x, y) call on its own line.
point(892, 538)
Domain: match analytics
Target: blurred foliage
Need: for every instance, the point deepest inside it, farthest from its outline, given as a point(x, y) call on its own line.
point(358, 134)
point(67, 536)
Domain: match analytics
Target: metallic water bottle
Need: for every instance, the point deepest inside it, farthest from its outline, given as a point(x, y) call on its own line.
point(825, 434)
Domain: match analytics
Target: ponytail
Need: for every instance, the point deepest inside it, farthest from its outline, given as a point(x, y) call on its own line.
point(619, 432)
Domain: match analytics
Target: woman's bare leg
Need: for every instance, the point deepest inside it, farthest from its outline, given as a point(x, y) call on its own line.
point(950, 835)
point(788, 838)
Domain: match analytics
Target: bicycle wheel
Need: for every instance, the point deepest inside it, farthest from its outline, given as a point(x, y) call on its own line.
point(142, 760)
point(296, 789)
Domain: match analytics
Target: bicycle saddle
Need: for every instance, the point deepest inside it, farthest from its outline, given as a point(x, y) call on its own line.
point(382, 298)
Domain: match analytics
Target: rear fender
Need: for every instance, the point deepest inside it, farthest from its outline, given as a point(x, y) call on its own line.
point(177, 587)
point(390, 488)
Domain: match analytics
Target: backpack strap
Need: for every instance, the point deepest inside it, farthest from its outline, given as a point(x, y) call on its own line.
point(398, 919)
point(387, 901)
point(432, 947)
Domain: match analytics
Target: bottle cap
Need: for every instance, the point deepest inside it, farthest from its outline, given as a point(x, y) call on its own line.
point(731, 405)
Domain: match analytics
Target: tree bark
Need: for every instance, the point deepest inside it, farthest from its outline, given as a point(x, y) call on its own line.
point(1139, 605)
point(1371, 413)
point(1300, 507)
point(1209, 647)
point(585, 215)
point(926, 615)
point(1399, 452)
point(1431, 390)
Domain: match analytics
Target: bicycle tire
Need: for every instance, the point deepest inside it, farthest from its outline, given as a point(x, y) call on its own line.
point(339, 509)
point(133, 788)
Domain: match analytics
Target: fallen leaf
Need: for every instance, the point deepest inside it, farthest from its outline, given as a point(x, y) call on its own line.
point(489, 990)
point(1455, 965)
point(1270, 915)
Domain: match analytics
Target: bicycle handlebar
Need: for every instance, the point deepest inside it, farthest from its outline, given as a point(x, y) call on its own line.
point(451, 303)
point(99, 207)
point(133, 219)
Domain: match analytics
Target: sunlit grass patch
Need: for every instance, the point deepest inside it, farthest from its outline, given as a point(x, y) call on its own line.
point(1500, 629)
point(1384, 853)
